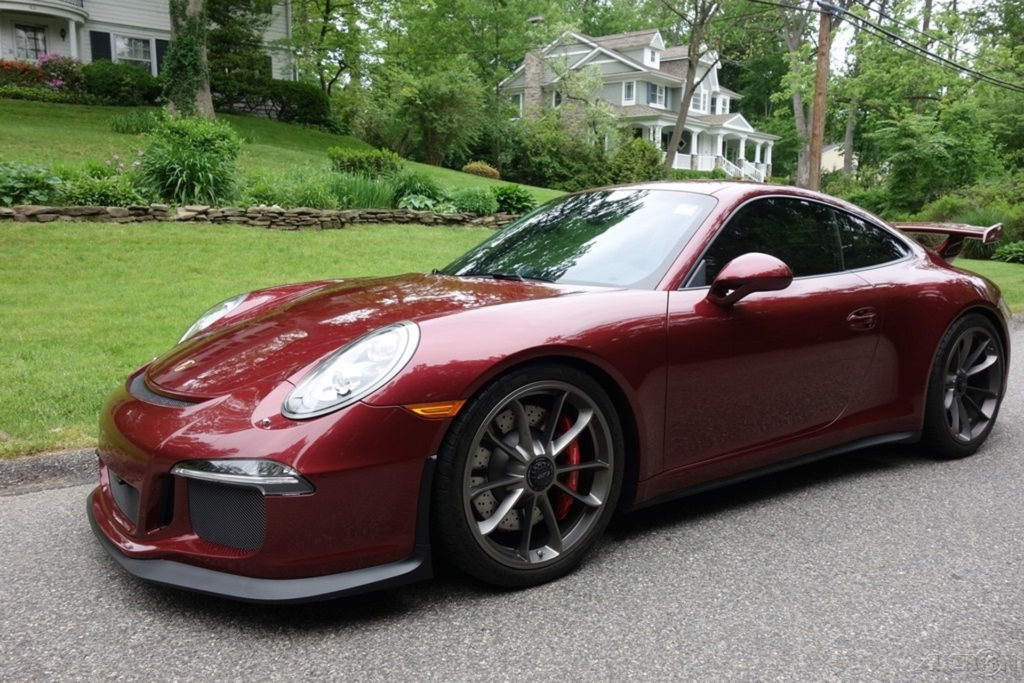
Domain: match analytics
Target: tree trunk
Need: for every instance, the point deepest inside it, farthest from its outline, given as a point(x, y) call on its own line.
point(204, 98)
point(851, 123)
point(700, 22)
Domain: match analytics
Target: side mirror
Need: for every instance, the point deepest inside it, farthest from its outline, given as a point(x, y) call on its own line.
point(746, 274)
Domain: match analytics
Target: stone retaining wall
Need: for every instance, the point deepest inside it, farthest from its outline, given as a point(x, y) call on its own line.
point(273, 217)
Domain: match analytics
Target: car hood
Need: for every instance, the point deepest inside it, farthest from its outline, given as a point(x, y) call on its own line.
point(273, 344)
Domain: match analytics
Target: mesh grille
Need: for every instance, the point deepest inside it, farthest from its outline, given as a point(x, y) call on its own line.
point(126, 497)
point(228, 515)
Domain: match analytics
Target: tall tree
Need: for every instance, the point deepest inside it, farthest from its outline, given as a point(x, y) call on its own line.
point(332, 39)
point(236, 53)
point(186, 75)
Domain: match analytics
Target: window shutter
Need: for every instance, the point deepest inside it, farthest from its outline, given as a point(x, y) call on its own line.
point(99, 42)
point(161, 50)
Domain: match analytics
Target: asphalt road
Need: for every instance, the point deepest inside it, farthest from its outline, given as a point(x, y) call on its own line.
point(875, 566)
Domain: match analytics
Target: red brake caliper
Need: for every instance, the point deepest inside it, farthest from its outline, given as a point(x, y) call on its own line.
point(563, 501)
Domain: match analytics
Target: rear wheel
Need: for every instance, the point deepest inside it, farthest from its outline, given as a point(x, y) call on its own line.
point(528, 476)
point(965, 388)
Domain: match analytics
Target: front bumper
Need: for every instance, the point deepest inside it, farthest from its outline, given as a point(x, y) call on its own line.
point(267, 591)
point(361, 524)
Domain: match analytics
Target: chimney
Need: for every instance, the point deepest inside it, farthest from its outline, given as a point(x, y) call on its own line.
point(533, 76)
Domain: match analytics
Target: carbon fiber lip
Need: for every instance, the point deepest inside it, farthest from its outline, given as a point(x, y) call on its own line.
point(139, 390)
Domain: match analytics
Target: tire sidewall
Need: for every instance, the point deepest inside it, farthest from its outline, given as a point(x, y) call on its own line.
point(457, 540)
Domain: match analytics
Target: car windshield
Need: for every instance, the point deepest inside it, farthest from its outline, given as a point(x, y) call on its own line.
point(615, 238)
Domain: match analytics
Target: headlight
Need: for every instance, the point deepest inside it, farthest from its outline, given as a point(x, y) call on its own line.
point(352, 372)
point(213, 315)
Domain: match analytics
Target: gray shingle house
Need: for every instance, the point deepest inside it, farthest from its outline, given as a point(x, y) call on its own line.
point(643, 81)
point(137, 32)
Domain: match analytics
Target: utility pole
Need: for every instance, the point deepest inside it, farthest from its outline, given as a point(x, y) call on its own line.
point(818, 104)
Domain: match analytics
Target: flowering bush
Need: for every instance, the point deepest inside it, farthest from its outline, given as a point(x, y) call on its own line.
point(62, 73)
point(21, 73)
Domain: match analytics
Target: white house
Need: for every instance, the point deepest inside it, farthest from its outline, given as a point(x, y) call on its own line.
point(643, 81)
point(137, 32)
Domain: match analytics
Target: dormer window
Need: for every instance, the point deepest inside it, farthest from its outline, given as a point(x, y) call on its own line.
point(651, 57)
point(629, 92)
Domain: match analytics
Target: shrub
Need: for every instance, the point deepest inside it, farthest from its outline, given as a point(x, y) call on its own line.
point(371, 163)
point(481, 169)
point(1010, 253)
point(121, 83)
point(297, 102)
point(21, 73)
point(22, 184)
point(22, 92)
point(689, 174)
point(635, 162)
point(478, 200)
point(134, 122)
point(191, 160)
point(513, 199)
point(360, 192)
point(417, 202)
point(62, 73)
point(115, 190)
point(409, 181)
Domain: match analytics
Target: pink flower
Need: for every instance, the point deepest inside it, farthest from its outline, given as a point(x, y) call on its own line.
point(116, 157)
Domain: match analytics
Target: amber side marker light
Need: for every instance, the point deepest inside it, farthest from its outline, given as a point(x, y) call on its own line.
point(438, 409)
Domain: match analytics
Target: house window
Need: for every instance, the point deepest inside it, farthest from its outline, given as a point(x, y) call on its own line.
point(699, 101)
point(629, 92)
point(135, 51)
point(656, 95)
point(30, 41)
point(714, 105)
point(556, 99)
point(517, 102)
point(725, 105)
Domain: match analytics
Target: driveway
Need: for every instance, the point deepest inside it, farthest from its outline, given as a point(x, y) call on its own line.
point(874, 566)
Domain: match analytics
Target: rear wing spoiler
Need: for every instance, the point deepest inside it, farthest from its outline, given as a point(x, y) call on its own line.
point(955, 234)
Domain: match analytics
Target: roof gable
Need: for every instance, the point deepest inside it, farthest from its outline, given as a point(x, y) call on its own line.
point(634, 39)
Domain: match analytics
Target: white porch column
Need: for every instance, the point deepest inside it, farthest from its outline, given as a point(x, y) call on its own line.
point(73, 38)
point(742, 154)
point(693, 142)
point(720, 145)
point(657, 136)
point(757, 152)
point(768, 154)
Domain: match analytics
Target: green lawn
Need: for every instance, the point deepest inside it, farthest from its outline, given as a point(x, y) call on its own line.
point(82, 304)
point(41, 133)
point(1009, 277)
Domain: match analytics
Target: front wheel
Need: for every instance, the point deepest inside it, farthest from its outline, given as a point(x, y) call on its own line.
point(965, 388)
point(528, 476)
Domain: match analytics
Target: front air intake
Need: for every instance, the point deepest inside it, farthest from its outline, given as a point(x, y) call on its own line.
point(228, 515)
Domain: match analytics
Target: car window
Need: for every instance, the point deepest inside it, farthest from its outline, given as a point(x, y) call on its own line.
point(613, 237)
point(865, 244)
point(799, 232)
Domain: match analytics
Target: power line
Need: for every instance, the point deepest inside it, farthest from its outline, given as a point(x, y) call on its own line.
point(898, 41)
point(933, 37)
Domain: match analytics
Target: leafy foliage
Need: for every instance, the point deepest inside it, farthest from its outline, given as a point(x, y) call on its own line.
point(296, 102)
point(191, 160)
point(481, 168)
point(408, 181)
point(21, 73)
point(134, 122)
point(1010, 253)
point(417, 202)
point(478, 200)
point(689, 174)
point(123, 84)
point(370, 163)
point(21, 92)
point(636, 161)
point(62, 73)
point(235, 53)
point(22, 184)
point(114, 190)
point(513, 199)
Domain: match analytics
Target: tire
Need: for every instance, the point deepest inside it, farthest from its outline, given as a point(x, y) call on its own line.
point(965, 389)
point(528, 476)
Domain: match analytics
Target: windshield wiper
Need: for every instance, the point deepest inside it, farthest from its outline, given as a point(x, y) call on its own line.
point(515, 277)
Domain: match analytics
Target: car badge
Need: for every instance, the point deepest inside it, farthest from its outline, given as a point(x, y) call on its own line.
point(184, 364)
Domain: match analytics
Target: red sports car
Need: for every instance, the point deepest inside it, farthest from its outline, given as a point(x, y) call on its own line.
point(613, 349)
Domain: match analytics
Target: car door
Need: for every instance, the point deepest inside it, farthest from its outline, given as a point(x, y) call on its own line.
point(776, 364)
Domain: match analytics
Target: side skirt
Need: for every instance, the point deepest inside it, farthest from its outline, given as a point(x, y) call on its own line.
point(870, 442)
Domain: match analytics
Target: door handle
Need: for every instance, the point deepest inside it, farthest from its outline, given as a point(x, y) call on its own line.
point(863, 319)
